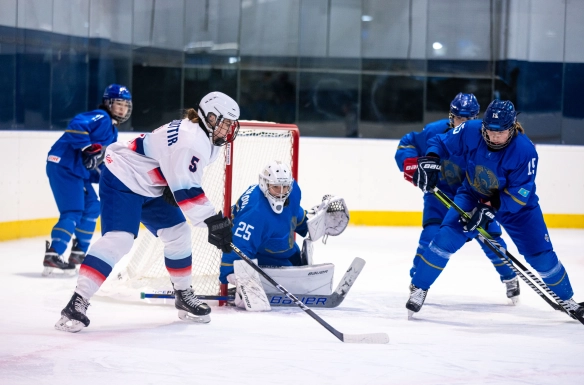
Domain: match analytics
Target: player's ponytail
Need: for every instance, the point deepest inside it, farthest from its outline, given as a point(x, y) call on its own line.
point(191, 114)
point(519, 128)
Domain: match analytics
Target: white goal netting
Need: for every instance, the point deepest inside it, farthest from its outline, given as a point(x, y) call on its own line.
point(143, 269)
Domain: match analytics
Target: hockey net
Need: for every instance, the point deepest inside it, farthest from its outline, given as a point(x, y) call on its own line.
point(143, 269)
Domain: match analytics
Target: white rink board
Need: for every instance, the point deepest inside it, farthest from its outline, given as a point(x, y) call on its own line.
point(363, 171)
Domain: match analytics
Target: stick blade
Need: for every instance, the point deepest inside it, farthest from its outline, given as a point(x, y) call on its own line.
point(371, 338)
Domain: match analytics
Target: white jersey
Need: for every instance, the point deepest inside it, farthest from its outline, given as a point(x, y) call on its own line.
point(174, 155)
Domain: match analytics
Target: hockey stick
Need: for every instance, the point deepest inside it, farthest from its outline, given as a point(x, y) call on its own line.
point(506, 256)
point(370, 338)
point(326, 301)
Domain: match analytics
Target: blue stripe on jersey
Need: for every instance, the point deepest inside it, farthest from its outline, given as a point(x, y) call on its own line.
point(184, 194)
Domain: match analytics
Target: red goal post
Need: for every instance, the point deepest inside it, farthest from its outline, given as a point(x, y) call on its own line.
point(257, 143)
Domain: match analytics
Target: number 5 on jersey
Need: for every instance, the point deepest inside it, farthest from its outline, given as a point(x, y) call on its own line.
point(193, 165)
point(245, 229)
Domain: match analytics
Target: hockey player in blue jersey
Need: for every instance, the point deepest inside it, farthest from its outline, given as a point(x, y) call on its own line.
point(73, 164)
point(463, 107)
point(501, 164)
point(266, 218)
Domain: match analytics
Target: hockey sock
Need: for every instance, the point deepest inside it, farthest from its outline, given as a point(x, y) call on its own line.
point(552, 273)
point(62, 233)
point(505, 272)
point(84, 232)
point(180, 271)
point(430, 266)
point(92, 274)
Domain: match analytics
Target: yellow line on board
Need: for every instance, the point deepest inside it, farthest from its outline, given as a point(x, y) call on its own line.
point(42, 227)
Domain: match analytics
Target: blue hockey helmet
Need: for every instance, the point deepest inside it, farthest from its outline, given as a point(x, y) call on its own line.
point(464, 106)
point(118, 100)
point(499, 116)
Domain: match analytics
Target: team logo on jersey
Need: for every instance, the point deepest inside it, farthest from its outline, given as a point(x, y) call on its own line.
point(108, 159)
point(523, 192)
point(54, 159)
point(451, 172)
point(485, 180)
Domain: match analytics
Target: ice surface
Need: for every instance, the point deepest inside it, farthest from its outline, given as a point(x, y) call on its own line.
point(466, 333)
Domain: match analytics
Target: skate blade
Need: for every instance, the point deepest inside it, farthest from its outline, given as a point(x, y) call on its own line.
point(410, 315)
point(58, 273)
point(186, 316)
point(67, 325)
point(514, 300)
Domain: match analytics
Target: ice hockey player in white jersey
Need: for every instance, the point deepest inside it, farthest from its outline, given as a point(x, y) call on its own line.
point(156, 179)
point(265, 219)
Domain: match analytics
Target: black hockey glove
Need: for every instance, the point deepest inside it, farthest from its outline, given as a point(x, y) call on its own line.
point(220, 232)
point(92, 156)
point(479, 216)
point(168, 197)
point(427, 174)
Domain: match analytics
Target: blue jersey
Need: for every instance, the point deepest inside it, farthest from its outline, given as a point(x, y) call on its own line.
point(84, 130)
point(415, 144)
point(510, 170)
point(259, 232)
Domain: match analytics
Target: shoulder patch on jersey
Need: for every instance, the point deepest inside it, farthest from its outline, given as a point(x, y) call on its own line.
point(54, 159)
point(523, 192)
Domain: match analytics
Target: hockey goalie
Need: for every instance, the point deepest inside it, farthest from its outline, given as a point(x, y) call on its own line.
point(265, 220)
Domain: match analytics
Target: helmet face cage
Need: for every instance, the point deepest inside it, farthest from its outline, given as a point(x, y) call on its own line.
point(219, 110)
point(212, 122)
point(499, 116)
point(117, 98)
point(276, 174)
point(115, 104)
point(464, 106)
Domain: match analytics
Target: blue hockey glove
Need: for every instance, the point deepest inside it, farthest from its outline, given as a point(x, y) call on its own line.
point(427, 174)
point(92, 156)
point(479, 216)
point(220, 232)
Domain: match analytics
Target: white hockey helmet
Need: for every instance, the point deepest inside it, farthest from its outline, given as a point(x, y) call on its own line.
point(276, 183)
point(220, 116)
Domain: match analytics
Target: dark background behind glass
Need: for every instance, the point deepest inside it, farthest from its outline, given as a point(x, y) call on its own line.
point(338, 68)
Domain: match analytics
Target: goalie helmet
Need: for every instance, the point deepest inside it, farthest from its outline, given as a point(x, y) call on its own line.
point(220, 116)
point(500, 116)
point(464, 106)
point(276, 183)
point(118, 101)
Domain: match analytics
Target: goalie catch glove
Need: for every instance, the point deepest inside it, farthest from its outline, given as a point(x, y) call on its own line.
point(92, 156)
point(219, 232)
point(331, 217)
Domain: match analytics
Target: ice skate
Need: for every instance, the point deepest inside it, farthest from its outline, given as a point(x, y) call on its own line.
point(73, 317)
point(417, 297)
point(54, 263)
point(190, 308)
point(77, 256)
point(512, 286)
point(575, 308)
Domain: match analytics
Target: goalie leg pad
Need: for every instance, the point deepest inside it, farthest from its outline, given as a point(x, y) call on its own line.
point(249, 293)
point(313, 279)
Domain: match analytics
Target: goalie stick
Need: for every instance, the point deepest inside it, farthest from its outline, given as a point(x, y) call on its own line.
point(507, 258)
point(370, 338)
point(325, 301)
